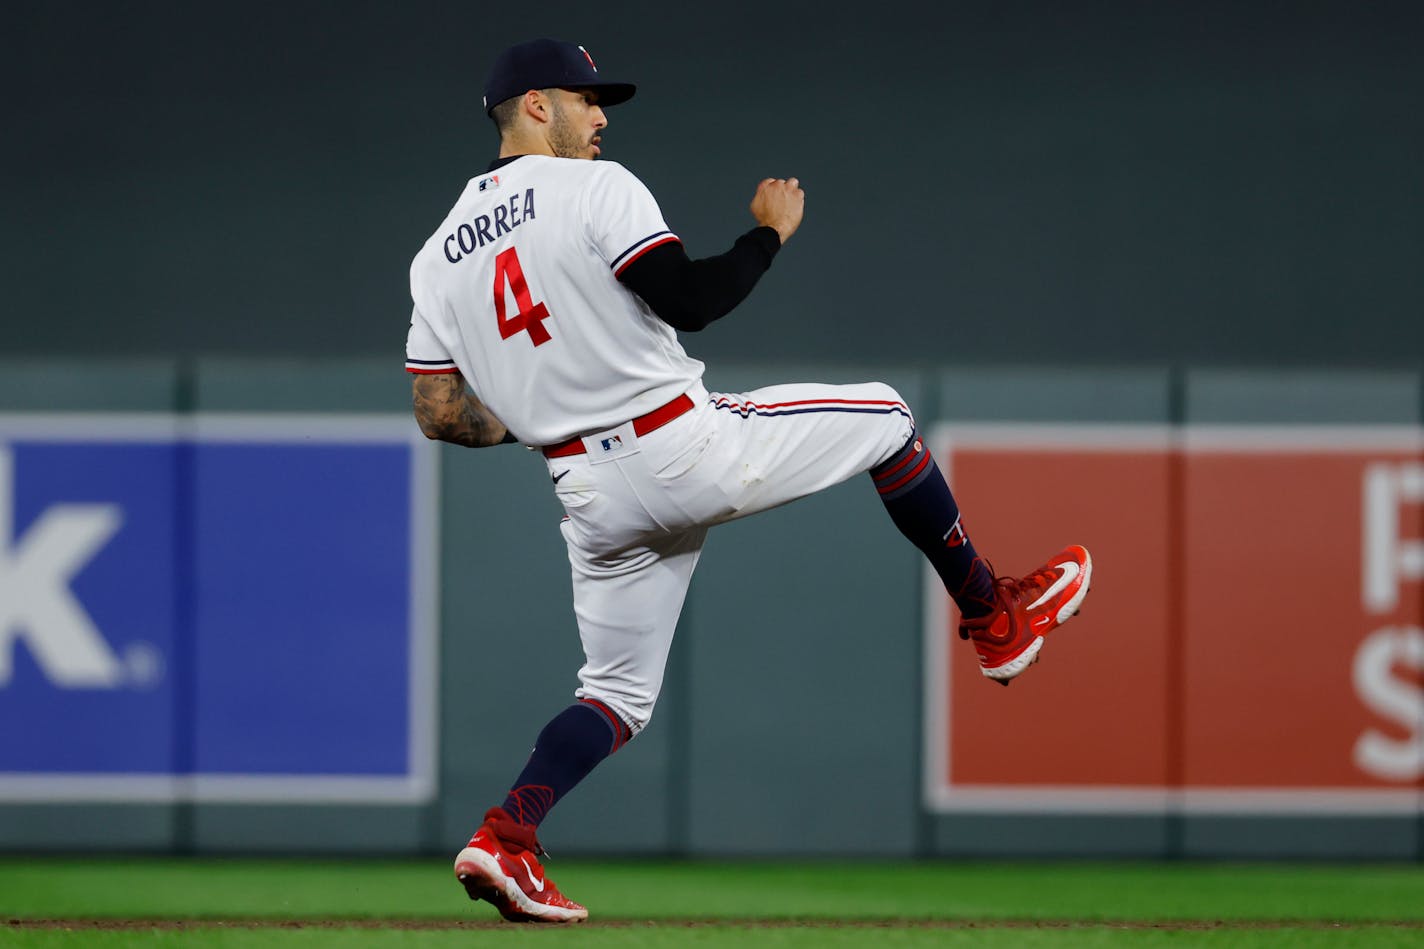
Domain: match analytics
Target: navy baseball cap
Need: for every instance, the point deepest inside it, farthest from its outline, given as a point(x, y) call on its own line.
point(549, 64)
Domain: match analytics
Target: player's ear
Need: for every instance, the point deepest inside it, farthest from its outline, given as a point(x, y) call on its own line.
point(537, 105)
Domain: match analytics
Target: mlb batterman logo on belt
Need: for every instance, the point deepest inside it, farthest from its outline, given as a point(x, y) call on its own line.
point(561, 332)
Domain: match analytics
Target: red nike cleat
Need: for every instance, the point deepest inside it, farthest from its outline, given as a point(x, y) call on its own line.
point(1008, 640)
point(501, 865)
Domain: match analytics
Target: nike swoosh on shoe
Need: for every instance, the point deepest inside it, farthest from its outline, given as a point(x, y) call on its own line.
point(537, 884)
point(1070, 573)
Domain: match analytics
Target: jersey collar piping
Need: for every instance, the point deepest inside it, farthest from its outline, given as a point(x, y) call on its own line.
point(501, 162)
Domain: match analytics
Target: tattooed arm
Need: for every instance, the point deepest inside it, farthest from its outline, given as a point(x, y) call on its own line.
point(446, 410)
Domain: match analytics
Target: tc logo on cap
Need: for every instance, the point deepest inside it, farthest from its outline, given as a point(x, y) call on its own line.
point(548, 64)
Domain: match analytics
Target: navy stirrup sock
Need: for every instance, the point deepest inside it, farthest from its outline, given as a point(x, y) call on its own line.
point(568, 748)
point(923, 508)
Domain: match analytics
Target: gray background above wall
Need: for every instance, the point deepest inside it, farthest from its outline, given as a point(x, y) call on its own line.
point(1216, 183)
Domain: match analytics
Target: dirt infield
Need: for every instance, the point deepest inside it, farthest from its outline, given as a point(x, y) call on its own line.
point(867, 924)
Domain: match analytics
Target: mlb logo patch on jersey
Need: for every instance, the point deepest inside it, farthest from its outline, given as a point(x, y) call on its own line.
point(612, 443)
point(490, 183)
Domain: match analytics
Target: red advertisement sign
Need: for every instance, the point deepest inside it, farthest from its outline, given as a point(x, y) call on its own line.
point(1253, 641)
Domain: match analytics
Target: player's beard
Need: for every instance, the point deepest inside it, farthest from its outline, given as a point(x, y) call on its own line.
point(564, 139)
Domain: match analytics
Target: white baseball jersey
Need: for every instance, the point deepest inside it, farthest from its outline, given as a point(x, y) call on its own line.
point(518, 289)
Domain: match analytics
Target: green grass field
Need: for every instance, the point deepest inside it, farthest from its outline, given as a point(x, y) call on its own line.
point(49, 902)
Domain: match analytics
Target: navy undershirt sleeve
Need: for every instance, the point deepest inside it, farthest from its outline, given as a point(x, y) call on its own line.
point(689, 294)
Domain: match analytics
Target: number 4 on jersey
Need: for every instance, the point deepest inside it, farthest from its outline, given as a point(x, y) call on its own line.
point(531, 316)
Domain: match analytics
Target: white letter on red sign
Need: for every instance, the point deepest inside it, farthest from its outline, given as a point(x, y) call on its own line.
point(1400, 701)
point(1389, 559)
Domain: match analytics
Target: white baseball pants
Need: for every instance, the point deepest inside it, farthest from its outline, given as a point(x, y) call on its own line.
point(639, 508)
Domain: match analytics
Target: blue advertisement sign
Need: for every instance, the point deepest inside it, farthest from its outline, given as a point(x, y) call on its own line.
point(236, 609)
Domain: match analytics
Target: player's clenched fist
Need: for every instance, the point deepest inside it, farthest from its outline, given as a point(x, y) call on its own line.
point(778, 203)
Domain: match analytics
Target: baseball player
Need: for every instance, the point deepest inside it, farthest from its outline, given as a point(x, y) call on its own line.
point(547, 307)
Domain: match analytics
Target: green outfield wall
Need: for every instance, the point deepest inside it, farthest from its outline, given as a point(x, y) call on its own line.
point(797, 717)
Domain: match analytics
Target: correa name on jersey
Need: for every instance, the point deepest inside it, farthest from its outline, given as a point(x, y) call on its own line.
point(485, 228)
